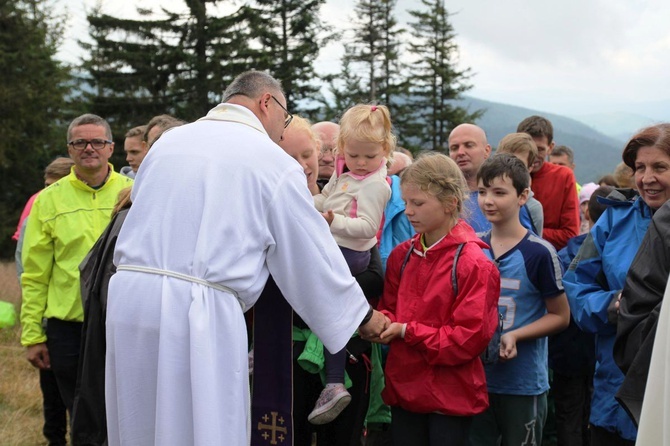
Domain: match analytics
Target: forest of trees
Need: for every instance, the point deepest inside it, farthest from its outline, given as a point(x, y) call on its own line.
point(179, 62)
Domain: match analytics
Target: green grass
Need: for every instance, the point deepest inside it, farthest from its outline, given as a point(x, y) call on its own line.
point(20, 396)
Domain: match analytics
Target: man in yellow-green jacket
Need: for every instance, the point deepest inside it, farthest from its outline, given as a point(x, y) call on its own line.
point(64, 223)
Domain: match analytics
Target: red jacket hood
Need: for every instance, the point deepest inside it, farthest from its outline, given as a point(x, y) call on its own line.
point(461, 233)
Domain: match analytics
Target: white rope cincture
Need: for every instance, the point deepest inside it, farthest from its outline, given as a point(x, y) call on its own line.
point(186, 277)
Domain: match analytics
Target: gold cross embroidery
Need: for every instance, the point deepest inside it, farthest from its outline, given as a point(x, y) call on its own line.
point(274, 428)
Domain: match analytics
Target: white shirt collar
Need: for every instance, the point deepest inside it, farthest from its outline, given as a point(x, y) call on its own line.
point(234, 113)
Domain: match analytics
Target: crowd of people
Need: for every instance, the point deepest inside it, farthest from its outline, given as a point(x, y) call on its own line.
point(251, 278)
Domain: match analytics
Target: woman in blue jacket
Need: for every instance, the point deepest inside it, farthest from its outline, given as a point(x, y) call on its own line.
point(595, 280)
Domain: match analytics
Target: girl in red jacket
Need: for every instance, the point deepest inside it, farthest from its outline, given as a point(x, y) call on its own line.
point(435, 381)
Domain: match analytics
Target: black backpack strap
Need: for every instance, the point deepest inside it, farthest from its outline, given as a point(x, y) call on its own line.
point(404, 262)
point(454, 282)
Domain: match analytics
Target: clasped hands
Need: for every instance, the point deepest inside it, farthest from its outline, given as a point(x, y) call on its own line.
point(380, 329)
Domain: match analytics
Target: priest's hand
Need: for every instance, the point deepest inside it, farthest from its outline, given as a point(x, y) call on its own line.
point(371, 330)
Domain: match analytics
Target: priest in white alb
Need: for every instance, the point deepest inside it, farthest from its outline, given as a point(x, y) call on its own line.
point(217, 207)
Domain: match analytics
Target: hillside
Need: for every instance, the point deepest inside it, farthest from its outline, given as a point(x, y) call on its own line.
point(595, 153)
point(618, 125)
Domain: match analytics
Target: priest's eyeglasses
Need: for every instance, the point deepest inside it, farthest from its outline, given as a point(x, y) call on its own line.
point(81, 144)
point(289, 117)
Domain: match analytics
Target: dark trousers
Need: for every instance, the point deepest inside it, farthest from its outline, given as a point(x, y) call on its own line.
point(63, 340)
point(603, 437)
point(347, 428)
point(358, 261)
point(572, 401)
point(428, 429)
point(55, 416)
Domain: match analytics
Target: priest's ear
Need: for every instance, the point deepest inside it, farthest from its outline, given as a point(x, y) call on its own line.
point(264, 103)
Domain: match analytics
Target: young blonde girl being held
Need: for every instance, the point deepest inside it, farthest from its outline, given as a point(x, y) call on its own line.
point(435, 381)
point(353, 204)
point(354, 199)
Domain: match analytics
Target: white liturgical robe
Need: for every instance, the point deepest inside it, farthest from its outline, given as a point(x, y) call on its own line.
point(217, 207)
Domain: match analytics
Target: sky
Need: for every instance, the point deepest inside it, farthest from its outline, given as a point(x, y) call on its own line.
point(572, 57)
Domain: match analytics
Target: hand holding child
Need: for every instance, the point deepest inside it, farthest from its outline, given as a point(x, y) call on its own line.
point(507, 347)
point(374, 327)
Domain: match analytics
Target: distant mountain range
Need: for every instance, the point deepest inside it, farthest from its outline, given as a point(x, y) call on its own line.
point(596, 154)
point(618, 125)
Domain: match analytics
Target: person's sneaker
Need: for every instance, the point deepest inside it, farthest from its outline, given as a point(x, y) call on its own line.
point(331, 402)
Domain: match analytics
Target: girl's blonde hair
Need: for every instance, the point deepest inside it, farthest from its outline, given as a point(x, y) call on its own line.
point(369, 123)
point(439, 176)
point(300, 124)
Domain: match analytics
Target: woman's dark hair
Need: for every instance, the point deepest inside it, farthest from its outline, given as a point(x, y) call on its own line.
point(654, 136)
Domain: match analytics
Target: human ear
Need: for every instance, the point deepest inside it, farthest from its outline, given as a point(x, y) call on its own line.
point(451, 206)
point(264, 101)
point(550, 148)
point(523, 196)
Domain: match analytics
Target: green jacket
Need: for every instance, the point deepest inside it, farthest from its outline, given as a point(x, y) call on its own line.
point(312, 360)
point(65, 222)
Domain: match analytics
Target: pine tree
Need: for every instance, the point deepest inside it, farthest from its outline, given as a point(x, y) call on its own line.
point(175, 63)
point(345, 88)
point(436, 80)
point(371, 68)
point(291, 34)
point(32, 105)
point(376, 47)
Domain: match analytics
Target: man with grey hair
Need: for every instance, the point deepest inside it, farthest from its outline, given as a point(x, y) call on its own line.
point(327, 132)
point(563, 156)
point(65, 222)
point(195, 252)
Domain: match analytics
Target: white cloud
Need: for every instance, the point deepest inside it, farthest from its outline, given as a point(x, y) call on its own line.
point(569, 56)
point(545, 32)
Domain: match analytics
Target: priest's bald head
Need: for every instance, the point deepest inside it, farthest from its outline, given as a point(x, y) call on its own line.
point(264, 96)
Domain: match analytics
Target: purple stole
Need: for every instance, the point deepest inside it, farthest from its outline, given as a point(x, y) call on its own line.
point(272, 380)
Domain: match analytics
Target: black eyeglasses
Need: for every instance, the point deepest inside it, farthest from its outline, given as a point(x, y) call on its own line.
point(81, 144)
point(289, 117)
